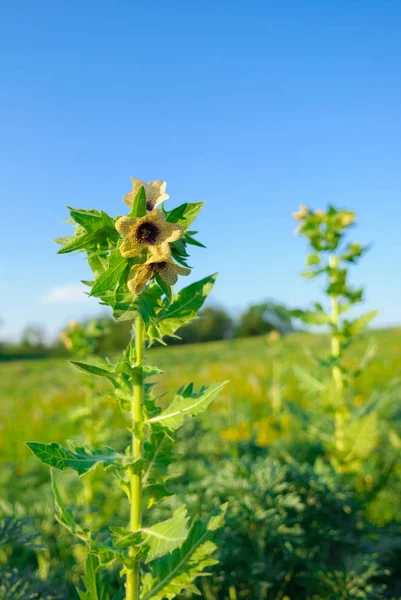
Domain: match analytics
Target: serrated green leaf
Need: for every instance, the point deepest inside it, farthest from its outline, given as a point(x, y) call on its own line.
point(185, 214)
point(91, 220)
point(110, 278)
point(79, 242)
point(186, 404)
point(157, 456)
point(94, 587)
point(80, 459)
point(176, 573)
point(181, 311)
point(94, 227)
point(156, 541)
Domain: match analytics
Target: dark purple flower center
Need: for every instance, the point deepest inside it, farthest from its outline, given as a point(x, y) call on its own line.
point(147, 233)
point(159, 266)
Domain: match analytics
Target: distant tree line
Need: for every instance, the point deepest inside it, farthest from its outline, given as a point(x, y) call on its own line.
point(214, 323)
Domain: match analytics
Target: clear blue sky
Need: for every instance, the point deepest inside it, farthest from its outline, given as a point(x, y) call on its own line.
point(251, 106)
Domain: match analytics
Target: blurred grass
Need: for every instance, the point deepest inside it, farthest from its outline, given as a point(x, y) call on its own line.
point(36, 395)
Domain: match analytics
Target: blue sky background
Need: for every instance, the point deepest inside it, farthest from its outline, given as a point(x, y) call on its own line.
point(254, 107)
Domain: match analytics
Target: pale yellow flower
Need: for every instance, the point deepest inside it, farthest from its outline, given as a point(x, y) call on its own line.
point(155, 192)
point(302, 213)
point(273, 336)
point(320, 213)
point(151, 232)
point(141, 274)
point(66, 340)
point(347, 219)
point(240, 433)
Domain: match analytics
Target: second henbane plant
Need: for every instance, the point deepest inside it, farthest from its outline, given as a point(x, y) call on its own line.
point(135, 261)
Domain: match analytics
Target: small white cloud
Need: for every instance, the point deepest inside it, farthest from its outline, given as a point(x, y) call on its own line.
point(67, 293)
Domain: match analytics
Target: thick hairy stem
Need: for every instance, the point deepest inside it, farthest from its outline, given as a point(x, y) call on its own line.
point(133, 574)
point(336, 371)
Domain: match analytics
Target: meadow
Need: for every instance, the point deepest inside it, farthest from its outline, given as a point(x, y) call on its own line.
point(299, 525)
point(37, 395)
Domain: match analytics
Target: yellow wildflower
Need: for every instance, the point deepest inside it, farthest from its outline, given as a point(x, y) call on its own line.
point(151, 232)
point(358, 400)
point(320, 213)
point(240, 433)
point(141, 274)
point(273, 336)
point(66, 340)
point(72, 324)
point(347, 219)
point(154, 191)
point(302, 213)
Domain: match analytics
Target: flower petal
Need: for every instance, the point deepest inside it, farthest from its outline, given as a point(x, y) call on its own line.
point(169, 274)
point(182, 270)
point(161, 252)
point(169, 232)
point(125, 225)
point(138, 278)
point(129, 199)
point(154, 192)
point(130, 248)
point(173, 231)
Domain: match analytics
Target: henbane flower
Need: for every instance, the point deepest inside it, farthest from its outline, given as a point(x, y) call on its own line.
point(154, 191)
point(302, 213)
point(347, 219)
point(141, 274)
point(151, 232)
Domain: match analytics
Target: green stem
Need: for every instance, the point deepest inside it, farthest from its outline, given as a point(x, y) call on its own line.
point(336, 371)
point(335, 342)
point(133, 574)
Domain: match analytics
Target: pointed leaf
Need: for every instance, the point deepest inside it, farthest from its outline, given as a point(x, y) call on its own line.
point(94, 587)
point(181, 311)
point(93, 369)
point(175, 573)
point(308, 382)
point(187, 405)
point(109, 279)
point(185, 214)
point(154, 542)
point(359, 324)
point(91, 220)
point(139, 204)
point(80, 460)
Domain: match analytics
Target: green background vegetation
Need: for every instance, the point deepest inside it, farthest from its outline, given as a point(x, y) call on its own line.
point(296, 528)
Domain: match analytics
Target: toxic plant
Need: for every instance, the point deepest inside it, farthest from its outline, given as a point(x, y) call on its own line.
point(92, 417)
point(329, 257)
point(135, 261)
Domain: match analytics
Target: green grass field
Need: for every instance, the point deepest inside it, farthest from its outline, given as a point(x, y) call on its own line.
point(40, 399)
point(37, 394)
